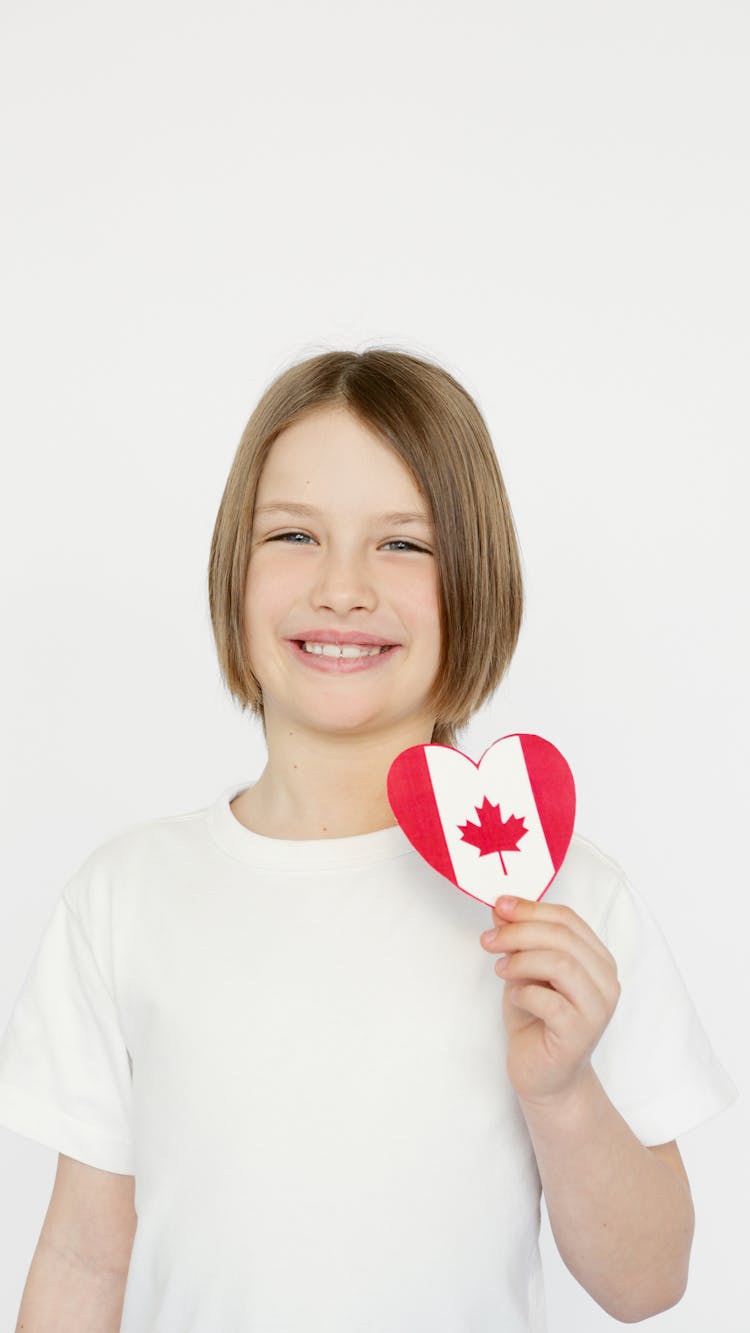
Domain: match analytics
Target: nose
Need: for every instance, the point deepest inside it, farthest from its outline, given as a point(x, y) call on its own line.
point(342, 584)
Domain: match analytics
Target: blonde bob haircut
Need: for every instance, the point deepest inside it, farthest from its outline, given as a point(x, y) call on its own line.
point(436, 429)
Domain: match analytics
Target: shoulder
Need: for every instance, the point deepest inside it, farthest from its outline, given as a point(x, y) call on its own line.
point(589, 880)
point(597, 887)
point(132, 855)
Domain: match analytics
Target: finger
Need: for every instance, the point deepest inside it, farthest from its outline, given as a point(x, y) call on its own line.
point(522, 909)
point(548, 1005)
point(523, 936)
point(564, 973)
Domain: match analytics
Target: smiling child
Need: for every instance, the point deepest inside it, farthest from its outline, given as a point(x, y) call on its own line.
point(335, 1106)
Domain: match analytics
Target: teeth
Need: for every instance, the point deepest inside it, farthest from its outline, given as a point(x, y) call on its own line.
point(339, 650)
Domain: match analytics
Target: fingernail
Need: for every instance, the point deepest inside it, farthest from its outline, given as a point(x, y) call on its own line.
point(506, 904)
point(489, 936)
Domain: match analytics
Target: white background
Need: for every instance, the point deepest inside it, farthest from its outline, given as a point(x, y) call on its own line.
point(549, 199)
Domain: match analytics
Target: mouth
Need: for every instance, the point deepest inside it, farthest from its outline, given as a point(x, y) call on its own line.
point(384, 648)
point(337, 662)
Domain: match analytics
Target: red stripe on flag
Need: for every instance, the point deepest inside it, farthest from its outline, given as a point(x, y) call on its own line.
point(554, 793)
point(412, 800)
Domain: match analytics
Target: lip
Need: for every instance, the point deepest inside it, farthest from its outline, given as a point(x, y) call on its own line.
point(342, 636)
point(341, 666)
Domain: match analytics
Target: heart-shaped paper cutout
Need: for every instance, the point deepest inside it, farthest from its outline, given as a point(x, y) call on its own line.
point(500, 826)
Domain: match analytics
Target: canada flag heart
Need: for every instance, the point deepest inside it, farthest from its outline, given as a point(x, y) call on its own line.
point(500, 826)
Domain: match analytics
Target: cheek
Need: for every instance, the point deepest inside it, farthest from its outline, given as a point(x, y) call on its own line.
point(421, 606)
point(268, 589)
point(421, 591)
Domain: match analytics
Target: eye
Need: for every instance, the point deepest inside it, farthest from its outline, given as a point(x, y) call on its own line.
point(395, 541)
point(400, 541)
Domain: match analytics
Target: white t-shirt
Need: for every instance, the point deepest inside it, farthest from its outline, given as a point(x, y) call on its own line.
point(297, 1049)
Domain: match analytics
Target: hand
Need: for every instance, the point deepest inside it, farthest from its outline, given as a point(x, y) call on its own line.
point(561, 991)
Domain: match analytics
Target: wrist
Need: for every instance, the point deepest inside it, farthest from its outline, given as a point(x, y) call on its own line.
point(567, 1104)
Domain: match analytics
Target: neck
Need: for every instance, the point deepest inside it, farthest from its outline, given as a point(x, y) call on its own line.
point(323, 786)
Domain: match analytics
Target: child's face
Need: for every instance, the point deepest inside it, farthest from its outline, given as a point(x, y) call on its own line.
point(348, 570)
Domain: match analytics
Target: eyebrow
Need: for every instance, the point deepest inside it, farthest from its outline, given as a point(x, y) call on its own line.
point(398, 519)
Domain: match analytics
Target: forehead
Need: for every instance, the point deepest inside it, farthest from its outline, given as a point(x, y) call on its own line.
point(331, 460)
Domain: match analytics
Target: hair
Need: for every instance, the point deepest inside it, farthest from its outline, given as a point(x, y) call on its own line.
point(436, 429)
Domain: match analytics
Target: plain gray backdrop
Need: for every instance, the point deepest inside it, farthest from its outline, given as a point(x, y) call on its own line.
point(550, 199)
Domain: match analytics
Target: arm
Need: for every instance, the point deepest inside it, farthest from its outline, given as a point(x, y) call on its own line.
point(621, 1214)
point(77, 1279)
point(64, 1295)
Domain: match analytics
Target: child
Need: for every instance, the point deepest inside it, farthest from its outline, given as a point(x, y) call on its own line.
point(277, 1018)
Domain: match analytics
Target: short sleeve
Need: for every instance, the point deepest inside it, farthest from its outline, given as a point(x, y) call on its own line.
point(654, 1059)
point(65, 1071)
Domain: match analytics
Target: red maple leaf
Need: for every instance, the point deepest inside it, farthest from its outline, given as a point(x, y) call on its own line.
point(493, 833)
